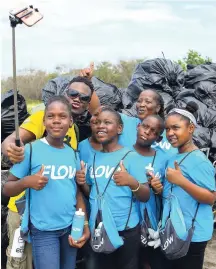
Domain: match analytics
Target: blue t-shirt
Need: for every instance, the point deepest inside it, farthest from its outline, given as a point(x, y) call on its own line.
point(199, 170)
point(86, 151)
point(129, 136)
point(53, 207)
point(117, 197)
point(159, 165)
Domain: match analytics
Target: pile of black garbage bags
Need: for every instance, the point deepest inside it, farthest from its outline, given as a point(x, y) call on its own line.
point(176, 86)
point(197, 84)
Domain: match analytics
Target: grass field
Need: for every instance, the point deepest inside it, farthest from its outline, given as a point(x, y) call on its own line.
point(32, 103)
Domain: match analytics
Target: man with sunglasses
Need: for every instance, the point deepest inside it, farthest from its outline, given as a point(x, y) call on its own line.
point(79, 93)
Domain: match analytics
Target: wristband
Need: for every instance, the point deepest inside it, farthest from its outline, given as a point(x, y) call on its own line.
point(136, 188)
point(86, 223)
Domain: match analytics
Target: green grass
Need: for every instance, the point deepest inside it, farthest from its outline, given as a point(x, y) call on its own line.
point(32, 103)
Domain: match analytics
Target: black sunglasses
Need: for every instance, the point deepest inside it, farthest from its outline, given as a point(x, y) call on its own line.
point(74, 93)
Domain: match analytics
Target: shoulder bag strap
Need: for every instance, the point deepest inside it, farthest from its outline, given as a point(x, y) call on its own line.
point(182, 161)
point(194, 218)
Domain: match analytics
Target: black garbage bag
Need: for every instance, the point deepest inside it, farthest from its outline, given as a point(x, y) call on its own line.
point(56, 86)
point(213, 139)
point(125, 99)
point(205, 91)
point(203, 72)
point(108, 94)
point(161, 74)
point(7, 112)
point(206, 116)
point(202, 137)
point(131, 112)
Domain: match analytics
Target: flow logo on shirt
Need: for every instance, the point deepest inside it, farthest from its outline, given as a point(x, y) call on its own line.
point(103, 171)
point(163, 145)
point(59, 172)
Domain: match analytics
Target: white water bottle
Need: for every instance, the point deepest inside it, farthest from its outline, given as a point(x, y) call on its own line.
point(18, 245)
point(78, 224)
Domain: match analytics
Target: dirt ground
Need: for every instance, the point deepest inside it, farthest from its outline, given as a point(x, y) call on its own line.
point(210, 254)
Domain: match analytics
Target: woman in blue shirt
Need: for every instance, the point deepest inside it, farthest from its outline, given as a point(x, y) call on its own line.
point(192, 182)
point(53, 193)
point(128, 178)
point(149, 102)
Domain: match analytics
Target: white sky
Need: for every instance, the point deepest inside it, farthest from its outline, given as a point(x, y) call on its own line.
point(75, 32)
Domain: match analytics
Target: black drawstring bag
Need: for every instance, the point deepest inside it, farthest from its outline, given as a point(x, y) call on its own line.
point(172, 245)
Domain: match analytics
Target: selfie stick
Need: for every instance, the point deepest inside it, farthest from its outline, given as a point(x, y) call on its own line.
point(14, 20)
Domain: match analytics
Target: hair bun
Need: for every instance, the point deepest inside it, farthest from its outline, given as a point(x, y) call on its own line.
point(192, 107)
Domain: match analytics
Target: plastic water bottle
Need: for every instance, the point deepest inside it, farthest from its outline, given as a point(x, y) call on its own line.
point(18, 245)
point(78, 224)
point(149, 169)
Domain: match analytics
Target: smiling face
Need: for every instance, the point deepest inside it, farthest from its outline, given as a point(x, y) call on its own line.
point(57, 120)
point(149, 131)
point(178, 130)
point(108, 128)
point(79, 96)
point(147, 104)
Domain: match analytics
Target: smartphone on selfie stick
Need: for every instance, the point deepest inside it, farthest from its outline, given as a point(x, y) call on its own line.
point(29, 16)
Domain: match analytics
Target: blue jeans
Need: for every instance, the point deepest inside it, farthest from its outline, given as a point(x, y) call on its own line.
point(51, 250)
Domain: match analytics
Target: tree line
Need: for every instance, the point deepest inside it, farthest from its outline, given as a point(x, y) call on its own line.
point(31, 83)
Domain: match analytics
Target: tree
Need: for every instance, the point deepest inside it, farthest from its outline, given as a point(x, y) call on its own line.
point(193, 58)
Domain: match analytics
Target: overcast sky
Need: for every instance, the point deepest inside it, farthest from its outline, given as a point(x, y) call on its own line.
point(75, 32)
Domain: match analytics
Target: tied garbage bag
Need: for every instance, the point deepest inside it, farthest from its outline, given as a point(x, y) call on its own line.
point(205, 91)
point(202, 72)
point(56, 86)
point(7, 112)
point(157, 73)
point(206, 116)
point(108, 94)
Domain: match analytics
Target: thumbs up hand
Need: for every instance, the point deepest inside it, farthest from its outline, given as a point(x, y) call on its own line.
point(174, 176)
point(80, 175)
point(122, 178)
point(37, 181)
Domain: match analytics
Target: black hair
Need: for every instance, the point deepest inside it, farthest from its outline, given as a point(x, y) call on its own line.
point(161, 121)
point(159, 100)
point(84, 80)
point(191, 107)
point(61, 99)
point(113, 111)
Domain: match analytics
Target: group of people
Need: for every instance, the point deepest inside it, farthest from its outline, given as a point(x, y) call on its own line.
point(123, 162)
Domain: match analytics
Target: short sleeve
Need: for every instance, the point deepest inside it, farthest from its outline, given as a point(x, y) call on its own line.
point(22, 169)
point(136, 167)
point(34, 124)
point(204, 175)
